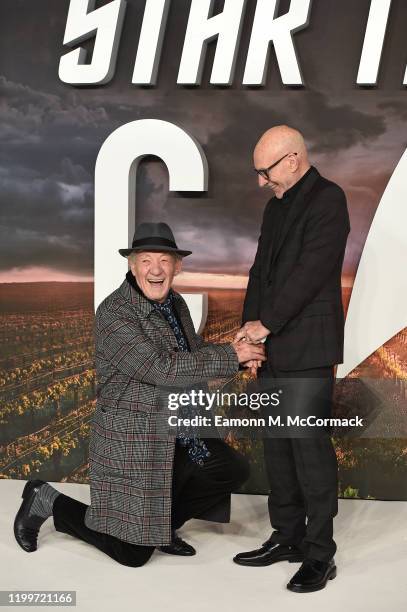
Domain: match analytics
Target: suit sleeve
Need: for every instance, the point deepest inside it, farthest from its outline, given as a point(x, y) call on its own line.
point(131, 352)
point(251, 306)
point(324, 243)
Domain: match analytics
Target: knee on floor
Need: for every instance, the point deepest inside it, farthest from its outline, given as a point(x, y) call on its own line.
point(132, 555)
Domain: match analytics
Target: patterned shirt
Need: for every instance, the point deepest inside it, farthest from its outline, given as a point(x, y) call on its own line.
point(197, 449)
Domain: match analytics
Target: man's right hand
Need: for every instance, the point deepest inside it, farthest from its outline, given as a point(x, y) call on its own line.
point(248, 352)
point(252, 366)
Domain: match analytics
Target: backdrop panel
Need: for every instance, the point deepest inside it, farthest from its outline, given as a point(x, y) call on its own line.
point(52, 132)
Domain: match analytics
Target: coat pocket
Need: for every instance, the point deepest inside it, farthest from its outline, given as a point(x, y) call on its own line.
point(301, 347)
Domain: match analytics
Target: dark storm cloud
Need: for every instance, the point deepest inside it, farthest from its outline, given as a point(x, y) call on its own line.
point(47, 198)
point(38, 129)
point(47, 221)
point(50, 143)
point(51, 191)
point(396, 108)
point(217, 225)
point(52, 132)
point(26, 110)
point(335, 127)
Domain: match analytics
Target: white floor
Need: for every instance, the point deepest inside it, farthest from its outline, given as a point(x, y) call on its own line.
point(371, 560)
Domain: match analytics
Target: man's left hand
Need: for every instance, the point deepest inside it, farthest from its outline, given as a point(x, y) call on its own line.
point(252, 366)
point(252, 331)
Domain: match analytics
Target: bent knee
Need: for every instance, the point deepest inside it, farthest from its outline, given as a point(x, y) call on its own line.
point(131, 555)
point(133, 562)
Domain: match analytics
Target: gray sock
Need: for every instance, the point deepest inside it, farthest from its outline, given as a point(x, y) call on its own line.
point(44, 500)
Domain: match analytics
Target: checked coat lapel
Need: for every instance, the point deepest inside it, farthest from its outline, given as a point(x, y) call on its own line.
point(147, 310)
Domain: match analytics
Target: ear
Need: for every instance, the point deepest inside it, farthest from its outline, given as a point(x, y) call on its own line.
point(132, 266)
point(178, 266)
point(294, 163)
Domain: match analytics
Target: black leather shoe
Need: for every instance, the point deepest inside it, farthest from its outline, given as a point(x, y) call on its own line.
point(26, 527)
point(269, 553)
point(178, 547)
point(312, 576)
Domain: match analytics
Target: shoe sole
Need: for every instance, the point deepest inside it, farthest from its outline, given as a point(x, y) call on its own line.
point(298, 559)
point(297, 589)
point(166, 552)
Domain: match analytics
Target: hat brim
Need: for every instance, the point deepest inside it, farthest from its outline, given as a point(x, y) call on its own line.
point(158, 249)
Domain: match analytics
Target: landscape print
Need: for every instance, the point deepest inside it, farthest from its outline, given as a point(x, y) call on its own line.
point(47, 390)
point(52, 133)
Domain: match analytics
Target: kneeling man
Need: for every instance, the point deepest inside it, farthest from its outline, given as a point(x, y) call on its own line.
point(145, 484)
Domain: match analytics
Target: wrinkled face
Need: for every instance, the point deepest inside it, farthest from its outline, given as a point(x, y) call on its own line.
point(281, 176)
point(154, 273)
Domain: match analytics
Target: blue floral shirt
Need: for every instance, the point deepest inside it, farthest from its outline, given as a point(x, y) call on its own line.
point(197, 449)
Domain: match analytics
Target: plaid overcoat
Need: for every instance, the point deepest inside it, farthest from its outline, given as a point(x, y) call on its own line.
point(130, 456)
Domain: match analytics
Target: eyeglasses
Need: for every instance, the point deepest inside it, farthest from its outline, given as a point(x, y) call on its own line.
point(264, 172)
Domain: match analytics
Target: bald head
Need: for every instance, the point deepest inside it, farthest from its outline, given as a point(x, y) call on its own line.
point(280, 140)
point(274, 144)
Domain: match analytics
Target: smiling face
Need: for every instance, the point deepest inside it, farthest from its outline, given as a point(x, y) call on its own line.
point(154, 273)
point(282, 176)
point(285, 144)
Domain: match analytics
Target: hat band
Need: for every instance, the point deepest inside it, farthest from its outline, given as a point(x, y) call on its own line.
point(154, 241)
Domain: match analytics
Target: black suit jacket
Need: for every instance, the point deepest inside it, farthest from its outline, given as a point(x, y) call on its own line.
point(295, 285)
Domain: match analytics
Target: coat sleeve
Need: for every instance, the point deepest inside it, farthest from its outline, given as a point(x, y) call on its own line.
point(251, 305)
point(324, 243)
point(130, 351)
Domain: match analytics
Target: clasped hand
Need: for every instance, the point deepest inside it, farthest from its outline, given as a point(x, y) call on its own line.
point(249, 346)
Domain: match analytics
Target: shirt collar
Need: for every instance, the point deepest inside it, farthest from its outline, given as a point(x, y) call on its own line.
point(163, 305)
point(292, 192)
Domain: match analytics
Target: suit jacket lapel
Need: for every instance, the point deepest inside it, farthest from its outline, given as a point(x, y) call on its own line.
point(297, 207)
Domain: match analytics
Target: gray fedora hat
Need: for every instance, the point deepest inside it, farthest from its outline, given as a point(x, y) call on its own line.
point(154, 237)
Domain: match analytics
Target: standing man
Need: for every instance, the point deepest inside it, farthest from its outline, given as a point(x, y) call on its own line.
point(294, 302)
point(145, 483)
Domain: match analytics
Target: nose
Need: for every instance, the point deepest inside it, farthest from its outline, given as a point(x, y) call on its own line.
point(156, 268)
point(262, 181)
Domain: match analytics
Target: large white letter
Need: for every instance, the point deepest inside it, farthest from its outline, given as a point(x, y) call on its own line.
point(115, 194)
point(83, 22)
point(378, 305)
point(267, 27)
point(150, 43)
point(373, 43)
point(226, 26)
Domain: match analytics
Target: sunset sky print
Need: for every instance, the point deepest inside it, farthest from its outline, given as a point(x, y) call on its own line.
point(51, 134)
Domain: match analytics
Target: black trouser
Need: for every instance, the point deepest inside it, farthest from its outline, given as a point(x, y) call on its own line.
point(303, 479)
point(196, 491)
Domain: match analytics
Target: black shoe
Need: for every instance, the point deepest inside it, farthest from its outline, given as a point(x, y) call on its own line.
point(26, 527)
point(270, 552)
point(312, 576)
point(178, 547)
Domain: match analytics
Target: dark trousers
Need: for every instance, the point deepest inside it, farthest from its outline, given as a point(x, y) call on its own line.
point(303, 479)
point(196, 491)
